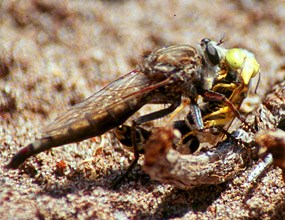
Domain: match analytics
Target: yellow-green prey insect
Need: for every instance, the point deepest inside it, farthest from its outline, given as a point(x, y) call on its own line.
point(235, 68)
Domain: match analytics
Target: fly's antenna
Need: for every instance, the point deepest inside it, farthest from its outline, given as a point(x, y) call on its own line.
point(258, 81)
point(222, 39)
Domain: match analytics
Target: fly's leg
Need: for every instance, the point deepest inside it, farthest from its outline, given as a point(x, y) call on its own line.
point(136, 157)
point(195, 112)
point(196, 116)
point(185, 103)
point(135, 123)
point(156, 115)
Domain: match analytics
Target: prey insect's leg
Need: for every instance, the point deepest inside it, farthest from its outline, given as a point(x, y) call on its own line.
point(230, 86)
point(214, 96)
point(225, 115)
point(220, 111)
point(135, 123)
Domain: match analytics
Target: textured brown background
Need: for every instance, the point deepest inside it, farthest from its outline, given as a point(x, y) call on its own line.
point(55, 54)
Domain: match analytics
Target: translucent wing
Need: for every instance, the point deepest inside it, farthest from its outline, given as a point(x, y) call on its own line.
point(113, 94)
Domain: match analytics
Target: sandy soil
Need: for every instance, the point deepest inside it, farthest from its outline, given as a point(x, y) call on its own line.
point(54, 55)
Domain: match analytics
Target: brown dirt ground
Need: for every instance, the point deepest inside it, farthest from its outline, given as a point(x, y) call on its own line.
point(55, 54)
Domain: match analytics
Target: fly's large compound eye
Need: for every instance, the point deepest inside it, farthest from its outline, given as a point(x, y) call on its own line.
point(204, 41)
point(212, 54)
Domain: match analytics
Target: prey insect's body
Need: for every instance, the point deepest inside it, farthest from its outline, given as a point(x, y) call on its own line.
point(163, 77)
point(234, 70)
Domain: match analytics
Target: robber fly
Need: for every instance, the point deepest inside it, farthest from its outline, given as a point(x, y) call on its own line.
point(163, 77)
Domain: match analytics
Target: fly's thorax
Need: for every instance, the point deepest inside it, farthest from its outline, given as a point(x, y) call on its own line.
point(169, 61)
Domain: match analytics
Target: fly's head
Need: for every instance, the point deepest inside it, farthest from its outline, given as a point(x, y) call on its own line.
point(211, 51)
point(212, 54)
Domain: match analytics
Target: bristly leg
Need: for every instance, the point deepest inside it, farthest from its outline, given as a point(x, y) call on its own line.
point(119, 180)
